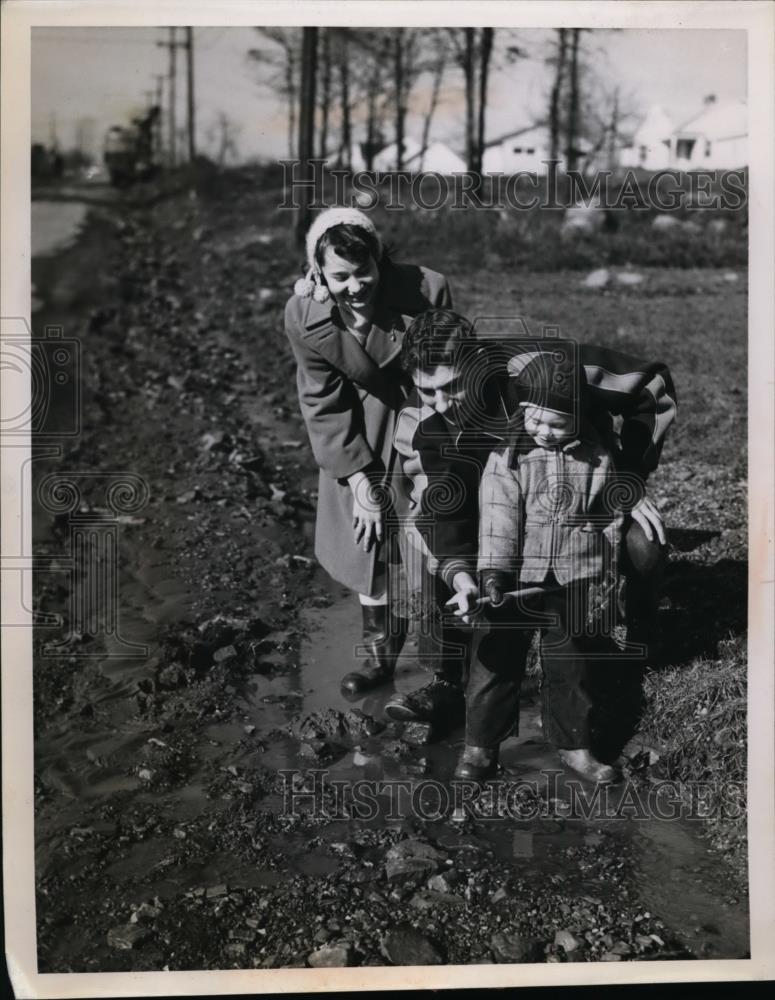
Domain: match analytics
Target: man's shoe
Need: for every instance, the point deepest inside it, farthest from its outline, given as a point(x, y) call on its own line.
point(477, 763)
point(440, 702)
point(589, 767)
point(371, 675)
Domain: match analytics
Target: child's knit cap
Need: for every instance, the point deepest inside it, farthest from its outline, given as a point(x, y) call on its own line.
point(550, 378)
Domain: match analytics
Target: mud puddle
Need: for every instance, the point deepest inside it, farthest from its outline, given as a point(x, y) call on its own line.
point(668, 871)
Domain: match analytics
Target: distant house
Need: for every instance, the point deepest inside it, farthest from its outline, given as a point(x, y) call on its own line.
point(650, 147)
point(526, 149)
point(385, 160)
point(715, 139)
point(438, 159)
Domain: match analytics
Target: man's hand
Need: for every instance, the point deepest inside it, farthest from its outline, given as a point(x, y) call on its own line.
point(650, 520)
point(367, 512)
point(464, 598)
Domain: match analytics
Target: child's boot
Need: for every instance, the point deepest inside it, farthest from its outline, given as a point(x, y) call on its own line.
point(383, 636)
point(477, 763)
point(583, 762)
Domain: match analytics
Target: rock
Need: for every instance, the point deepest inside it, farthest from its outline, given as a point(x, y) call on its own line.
point(664, 222)
point(501, 895)
point(187, 497)
point(332, 956)
point(215, 439)
point(217, 891)
point(127, 936)
point(444, 882)
point(409, 871)
point(415, 768)
point(331, 724)
point(565, 940)
point(172, 676)
point(621, 948)
point(610, 956)
point(730, 276)
point(582, 220)
point(145, 911)
point(427, 899)
point(629, 278)
point(410, 862)
point(597, 279)
point(511, 948)
point(406, 946)
point(395, 749)
point(145, 774)
point(418, 734)
point(224, 653)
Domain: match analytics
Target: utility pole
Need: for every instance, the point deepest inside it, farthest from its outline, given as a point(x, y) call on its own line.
point(306, 127)
point(159, 77)
point(190, 94)
point(172, 45)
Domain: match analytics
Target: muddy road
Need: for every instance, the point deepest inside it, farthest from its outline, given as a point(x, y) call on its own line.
point(187, 811)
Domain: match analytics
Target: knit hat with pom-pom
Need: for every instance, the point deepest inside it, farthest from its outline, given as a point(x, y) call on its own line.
point(310, 284)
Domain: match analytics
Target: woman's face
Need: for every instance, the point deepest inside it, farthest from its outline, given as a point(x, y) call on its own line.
point(351, 285)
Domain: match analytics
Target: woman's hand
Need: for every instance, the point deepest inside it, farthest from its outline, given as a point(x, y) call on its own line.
point(465, 596)
point(367, 512)
point(650, 520)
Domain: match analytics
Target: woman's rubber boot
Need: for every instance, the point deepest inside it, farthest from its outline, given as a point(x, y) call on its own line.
point(383, 636)
point(477, 763)
point(589, 767)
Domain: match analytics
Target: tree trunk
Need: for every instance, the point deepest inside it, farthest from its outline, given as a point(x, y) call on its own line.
point(468, 70)
point(613, 130)
point(438, 75)
point(325, 96)
point(290, 86)
point(344, 79)
point(554, 106)
point(398, 73)
point(306, 127)
point(484, 69)
point(573, 108)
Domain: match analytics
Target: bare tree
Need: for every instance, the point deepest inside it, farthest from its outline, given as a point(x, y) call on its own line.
point(306, 125)
point(473, 50)
point(554, 101)
point(571, 137)
point(283, 61)
point(325, 89)
point(222, 136)
point(438, 66)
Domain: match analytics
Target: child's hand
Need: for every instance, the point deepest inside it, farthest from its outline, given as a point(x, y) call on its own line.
point(464, 598)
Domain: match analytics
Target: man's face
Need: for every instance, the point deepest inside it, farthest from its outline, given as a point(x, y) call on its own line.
point(441, 389)
point(548, 428)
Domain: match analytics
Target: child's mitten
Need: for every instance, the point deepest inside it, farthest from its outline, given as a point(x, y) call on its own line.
point(494, 583)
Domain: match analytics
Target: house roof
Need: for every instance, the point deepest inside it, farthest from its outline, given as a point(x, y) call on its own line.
point(512, 135)
point(720, 120)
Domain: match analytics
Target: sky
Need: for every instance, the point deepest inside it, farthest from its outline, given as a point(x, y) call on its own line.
point(101, 76)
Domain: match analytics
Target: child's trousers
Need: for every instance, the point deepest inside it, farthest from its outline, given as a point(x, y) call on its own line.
point(571, 657)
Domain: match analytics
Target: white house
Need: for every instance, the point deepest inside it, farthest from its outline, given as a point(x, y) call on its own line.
point(438, 159)
point(526, 149)
point(715, 139)
point(385, 159)
point(650, 147)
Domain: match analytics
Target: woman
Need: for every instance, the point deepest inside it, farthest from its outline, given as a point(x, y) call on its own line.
point(346, 323)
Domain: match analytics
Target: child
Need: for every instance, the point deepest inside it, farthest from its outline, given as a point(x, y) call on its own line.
point(547, 523)
point(463, 405)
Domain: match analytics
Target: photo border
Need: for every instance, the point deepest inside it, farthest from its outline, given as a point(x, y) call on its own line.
point(758, 18)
